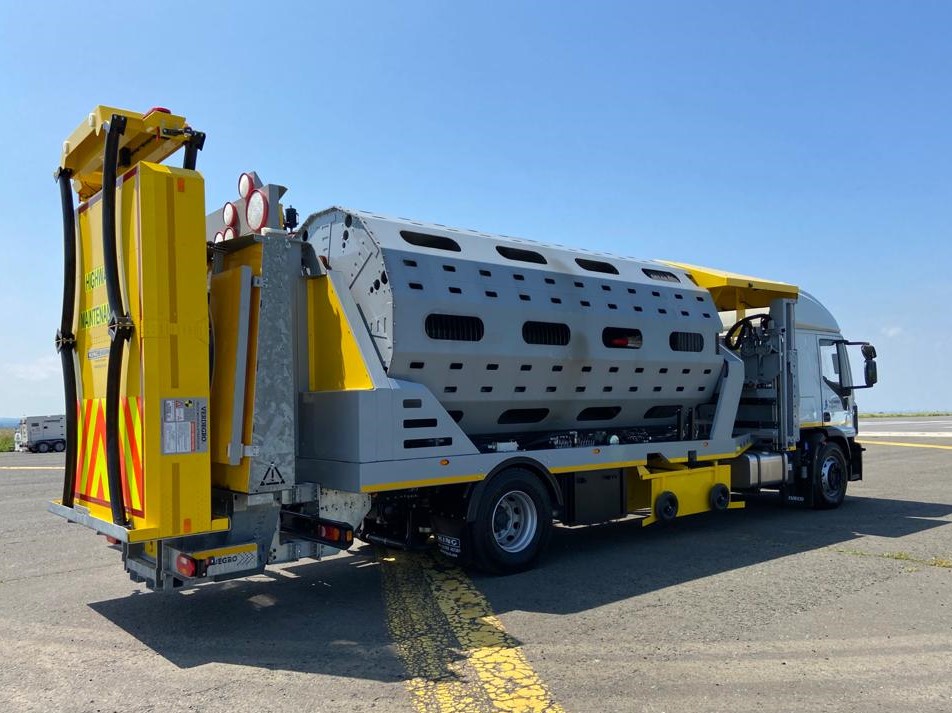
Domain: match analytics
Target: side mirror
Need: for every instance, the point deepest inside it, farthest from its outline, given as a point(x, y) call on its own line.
point(869, 352)
point(869, 370)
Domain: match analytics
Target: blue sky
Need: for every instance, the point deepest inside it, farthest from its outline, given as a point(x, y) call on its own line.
point(803, 141)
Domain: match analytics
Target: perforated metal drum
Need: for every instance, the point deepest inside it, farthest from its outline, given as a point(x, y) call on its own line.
point(513, 335)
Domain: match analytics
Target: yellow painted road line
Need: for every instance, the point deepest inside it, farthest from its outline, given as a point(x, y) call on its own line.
point(439, 681)
point(31, 467)
point(907, 434)
point(906, 445)
point(505, 673)
point(492, 675)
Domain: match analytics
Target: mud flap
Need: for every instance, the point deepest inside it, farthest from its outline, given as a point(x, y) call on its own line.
point(452, 536)
point(856, 461)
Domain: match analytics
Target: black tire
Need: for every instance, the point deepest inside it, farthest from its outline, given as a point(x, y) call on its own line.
point(513, 522)
point(720, 497)
point(43, 447)
point(59, 446)
point(830, 476)
point(666, 506)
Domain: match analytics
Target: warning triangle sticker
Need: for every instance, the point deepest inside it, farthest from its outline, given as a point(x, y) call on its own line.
point(272, 476)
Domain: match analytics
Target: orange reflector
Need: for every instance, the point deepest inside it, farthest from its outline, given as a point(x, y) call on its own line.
point(444, 461)
point(329, 532)
point(596, 451)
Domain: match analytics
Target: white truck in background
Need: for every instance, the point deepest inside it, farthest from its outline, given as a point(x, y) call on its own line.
point(41, 434)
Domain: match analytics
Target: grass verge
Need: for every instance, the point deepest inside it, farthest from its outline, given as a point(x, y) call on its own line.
point(903, 414)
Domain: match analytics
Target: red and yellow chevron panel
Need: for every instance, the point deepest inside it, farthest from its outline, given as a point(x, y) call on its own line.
point(92, 484)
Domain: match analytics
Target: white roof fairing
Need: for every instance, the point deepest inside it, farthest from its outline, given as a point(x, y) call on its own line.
point(811, 314)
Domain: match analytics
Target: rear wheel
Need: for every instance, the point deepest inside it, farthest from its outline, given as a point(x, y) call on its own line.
point(830, 475)
point(59, 446)
point(513, 522)
point(43, 447)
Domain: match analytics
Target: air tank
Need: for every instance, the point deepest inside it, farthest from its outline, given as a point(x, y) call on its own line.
point(519, 336)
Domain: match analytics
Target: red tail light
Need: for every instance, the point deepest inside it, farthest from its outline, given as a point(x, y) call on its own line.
point(186, 566)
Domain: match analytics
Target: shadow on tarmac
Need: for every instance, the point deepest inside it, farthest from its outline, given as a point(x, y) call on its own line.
point(326, 617)
point(329, 617)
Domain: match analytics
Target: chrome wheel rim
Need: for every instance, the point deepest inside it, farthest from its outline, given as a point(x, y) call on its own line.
point(515, 521)
point(831, 477)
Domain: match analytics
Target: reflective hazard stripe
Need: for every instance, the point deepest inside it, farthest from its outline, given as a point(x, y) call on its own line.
point(92, 485)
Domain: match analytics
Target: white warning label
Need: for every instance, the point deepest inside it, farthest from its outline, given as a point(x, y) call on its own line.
point(184, 426)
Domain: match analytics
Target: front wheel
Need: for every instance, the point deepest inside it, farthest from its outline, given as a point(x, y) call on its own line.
point(513, 522)
point(830, 475)
point(43, 447)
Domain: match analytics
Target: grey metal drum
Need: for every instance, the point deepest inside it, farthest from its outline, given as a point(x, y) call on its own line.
point(513, 335)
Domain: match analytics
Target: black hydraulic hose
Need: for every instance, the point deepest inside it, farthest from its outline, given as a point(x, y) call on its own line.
point(196, 142)
point(120, 324)
point(117, 127)
point(113, 451)
point(65, 340)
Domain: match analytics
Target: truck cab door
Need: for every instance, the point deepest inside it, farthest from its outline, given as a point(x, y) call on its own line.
point(808, 377)
point(834, 376)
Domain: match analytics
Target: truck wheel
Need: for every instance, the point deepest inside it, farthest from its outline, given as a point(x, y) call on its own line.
point(830, 475)
point(720, 497)
point(43, 447)
point(513, 522)
point(59, 446)
point(666, 506)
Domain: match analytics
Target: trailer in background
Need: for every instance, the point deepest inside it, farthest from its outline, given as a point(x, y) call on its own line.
point(41, 434)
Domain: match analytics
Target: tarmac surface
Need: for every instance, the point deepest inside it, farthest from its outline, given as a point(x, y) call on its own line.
point(762, 609)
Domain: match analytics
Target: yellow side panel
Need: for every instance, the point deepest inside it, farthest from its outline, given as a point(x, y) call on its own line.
point(224, 475)
point(637, 489)
point(163, 413)
point(226, 289)
point(335, 362)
